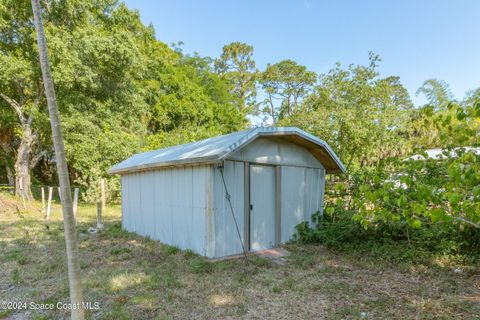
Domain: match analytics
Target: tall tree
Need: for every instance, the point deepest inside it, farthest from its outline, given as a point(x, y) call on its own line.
point(285, 82)
point(76, 295)
point(20, 87)
point(237, 66)
point(361, 115)
point(117, 86)
point(437, 92)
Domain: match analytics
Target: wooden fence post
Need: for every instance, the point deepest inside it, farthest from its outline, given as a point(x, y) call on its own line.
point(75, 204)
point(103, 196)
point(43, 201)
point(99, 215)
point(49, 204)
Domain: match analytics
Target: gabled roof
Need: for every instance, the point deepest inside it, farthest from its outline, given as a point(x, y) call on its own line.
point(216, 149)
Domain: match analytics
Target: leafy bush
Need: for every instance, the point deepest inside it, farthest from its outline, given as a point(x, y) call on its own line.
point(336, 229)
point(428, 205)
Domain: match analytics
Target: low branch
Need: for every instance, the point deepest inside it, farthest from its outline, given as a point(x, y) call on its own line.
point(16, 107)
point(473, 224)
point(36, 158)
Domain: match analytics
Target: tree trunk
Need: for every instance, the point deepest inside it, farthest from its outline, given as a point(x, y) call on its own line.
point(22, 165)
point(10, 176)
point(74, 277)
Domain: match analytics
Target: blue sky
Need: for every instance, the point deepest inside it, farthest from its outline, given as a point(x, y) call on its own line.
point(416, 40)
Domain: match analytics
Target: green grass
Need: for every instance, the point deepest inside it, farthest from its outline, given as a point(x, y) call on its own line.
point(138, 278)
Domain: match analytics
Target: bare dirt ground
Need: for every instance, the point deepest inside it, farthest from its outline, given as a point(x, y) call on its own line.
point(136, 278)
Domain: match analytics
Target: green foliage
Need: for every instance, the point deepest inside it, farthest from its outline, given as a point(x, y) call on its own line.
point(337, 230)
point(237, 67)
point(418, 192)
point(359, 114)
point(407, 210)
point(287, 82)
point(119, 90)
point(16, 279)
point(170, 250)
point(200, 265)
point(437, 92)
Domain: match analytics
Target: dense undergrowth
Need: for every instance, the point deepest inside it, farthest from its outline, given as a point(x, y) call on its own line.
point(432, 245)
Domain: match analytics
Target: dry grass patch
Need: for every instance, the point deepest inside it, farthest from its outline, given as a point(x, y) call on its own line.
point(137, 278)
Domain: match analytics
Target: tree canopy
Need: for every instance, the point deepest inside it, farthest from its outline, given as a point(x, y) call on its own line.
point(119, 90)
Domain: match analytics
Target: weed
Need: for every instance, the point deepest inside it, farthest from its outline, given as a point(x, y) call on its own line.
point(190, 254)
point(119, 250)
point(15, 276)
point(200, 265)
point(303, 261)
point(170, 250)
point(241, 277)
point(22, 260)
point(165, 279)
point(5, 313)
point(84, 264)
point(115, 230)
point(261, 262)
point(286, 284)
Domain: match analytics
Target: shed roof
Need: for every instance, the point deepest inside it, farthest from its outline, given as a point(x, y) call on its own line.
point(216, 149)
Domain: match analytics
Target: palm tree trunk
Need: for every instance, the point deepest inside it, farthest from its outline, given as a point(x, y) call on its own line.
point(76, 296)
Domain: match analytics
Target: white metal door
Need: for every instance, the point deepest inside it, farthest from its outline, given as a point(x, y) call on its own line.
point(262, 214)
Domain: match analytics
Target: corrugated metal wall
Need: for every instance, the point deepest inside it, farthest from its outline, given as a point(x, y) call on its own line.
point(171, 205)
point(187, 206)
point(301, 195)
point(226, 240)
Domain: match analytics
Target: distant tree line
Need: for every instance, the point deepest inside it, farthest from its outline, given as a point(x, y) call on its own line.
point(121, 91)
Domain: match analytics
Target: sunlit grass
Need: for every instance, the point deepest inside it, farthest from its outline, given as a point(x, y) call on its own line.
point(136, 278)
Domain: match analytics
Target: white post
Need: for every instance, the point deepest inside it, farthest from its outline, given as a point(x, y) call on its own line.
point(99, 215)
point(103, 199)
point(75, 204)
point(43, 201)
point(49, 204)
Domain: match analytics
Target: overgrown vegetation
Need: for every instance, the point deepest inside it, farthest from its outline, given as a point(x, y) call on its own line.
point(411, 209)
point(122, 91)
point(136, 278)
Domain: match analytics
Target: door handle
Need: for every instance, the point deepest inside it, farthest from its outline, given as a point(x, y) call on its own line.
point(251, 207)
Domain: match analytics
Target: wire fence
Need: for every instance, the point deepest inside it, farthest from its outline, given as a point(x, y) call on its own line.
point(37, 191)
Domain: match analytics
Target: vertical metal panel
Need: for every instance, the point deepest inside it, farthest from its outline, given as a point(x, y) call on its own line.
point(136, 203)
point(262, 198)
point(246, 204)
point(301, 196)
point(169, 205)
point(148, 204)
point(292, 200)
point(125, 199)
point(209, 218)
point(321, 189)
point(227, 241)
point(278, 205)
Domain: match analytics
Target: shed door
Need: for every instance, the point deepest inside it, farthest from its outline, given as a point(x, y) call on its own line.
point(262, 214)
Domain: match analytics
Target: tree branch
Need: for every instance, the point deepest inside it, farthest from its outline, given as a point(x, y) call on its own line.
point(16, 107)
point(36, 158)
point(473, 224)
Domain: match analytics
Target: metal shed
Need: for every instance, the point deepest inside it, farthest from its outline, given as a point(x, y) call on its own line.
point(178, 195)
